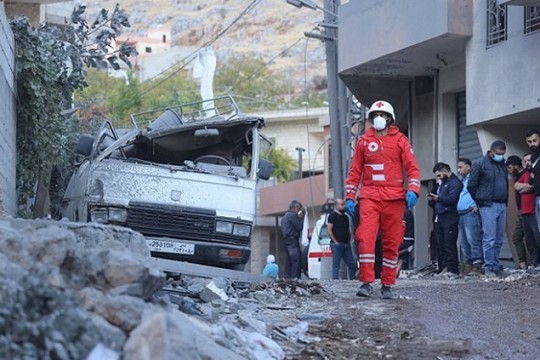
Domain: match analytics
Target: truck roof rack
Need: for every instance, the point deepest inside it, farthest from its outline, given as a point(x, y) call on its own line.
point(224, 107)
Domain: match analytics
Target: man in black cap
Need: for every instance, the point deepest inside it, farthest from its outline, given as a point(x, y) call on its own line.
point(488, 186)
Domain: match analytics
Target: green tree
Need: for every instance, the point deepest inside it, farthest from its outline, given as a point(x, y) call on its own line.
point(251, 81)
point(115, 99)
point(283, 164)
point(174, 90)
point(50, 65)
point(94, 100)
point(126, 100)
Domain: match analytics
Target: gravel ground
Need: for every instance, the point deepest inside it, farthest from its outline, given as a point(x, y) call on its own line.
point(435, 318)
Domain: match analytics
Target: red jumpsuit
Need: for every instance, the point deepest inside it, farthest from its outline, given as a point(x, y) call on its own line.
point(377, 168)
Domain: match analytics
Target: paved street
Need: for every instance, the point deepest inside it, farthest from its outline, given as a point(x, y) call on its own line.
point(435, 318)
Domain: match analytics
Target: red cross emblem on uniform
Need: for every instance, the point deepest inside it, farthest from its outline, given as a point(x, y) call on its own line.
point(373, 146)
point(380, 104)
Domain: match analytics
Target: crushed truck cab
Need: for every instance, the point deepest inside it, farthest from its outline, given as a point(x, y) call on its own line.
point(185, 177)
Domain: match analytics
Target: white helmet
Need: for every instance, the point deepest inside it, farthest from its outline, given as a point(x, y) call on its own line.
point(270, 259)
point(384, 106)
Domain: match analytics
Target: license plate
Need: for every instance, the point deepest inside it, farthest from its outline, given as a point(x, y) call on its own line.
point(171, 247)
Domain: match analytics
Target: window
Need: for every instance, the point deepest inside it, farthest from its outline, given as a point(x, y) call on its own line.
point(148, 49)
point(496, 22)
point(532, 19)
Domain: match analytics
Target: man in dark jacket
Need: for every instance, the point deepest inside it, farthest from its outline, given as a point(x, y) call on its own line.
point(533, 142)
point(446, 218)
point(291, 229)
point(488, 186)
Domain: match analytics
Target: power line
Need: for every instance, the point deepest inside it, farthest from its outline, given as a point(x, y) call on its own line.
point(189, 58)
point(272, 59)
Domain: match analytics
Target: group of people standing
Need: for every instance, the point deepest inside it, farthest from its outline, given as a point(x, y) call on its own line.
point(477, 206)
point(385, 179)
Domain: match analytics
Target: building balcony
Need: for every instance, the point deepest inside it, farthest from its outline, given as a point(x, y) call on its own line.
point(520, 2)
point(407, 39)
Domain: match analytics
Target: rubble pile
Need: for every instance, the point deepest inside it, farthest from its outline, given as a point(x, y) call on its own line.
point(86, 291)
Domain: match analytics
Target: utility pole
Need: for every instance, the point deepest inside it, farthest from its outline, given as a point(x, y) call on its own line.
point(337, 92)
point(337, 157)
point(300, 171)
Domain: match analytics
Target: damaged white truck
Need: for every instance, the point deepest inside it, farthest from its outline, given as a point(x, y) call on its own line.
point(185, 177)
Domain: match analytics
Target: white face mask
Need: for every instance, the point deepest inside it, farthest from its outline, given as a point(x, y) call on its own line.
point(379, 123)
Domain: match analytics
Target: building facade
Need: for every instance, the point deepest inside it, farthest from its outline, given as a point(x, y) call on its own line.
point(460, 73)
point(290, 130)
point(8, 125)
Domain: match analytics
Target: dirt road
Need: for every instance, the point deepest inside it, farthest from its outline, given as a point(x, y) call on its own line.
point(472, 318)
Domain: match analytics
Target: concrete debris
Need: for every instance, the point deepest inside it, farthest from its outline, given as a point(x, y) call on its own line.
point(86, 291)
point(212, 292)
point(101, 352)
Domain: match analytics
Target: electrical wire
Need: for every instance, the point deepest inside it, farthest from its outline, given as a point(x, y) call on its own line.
point(272, 59)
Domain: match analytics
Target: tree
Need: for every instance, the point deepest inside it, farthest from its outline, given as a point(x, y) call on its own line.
point(251, 81)
point(282, 164)
point(50, 65)
point(115, 99)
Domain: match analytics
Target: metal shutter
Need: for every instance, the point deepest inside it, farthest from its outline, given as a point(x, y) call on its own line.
point(468, 143)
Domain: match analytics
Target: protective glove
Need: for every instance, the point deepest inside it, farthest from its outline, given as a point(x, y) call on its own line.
point(411, 198)
point(349, 207)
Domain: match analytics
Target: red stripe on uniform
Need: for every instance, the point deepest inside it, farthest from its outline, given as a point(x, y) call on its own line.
point(320, 254)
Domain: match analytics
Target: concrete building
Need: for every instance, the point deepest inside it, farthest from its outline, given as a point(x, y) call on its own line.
point(460, 74)
point(8, 125)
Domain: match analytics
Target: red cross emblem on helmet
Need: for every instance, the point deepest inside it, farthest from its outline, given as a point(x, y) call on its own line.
point(379, 105)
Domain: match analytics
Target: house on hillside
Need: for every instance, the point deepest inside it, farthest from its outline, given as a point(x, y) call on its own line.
point(458, 81)
point(156, 54)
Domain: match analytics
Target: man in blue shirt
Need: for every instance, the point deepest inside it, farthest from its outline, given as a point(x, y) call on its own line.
point(470, 225)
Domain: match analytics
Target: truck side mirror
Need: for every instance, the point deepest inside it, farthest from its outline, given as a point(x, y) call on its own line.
point(265, 169)
point(84, 144)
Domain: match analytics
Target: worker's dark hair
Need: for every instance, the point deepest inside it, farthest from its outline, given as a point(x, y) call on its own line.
point(530, 132)
point(513, 160)
point(465, 161)
point(527, 154)
point(295, 203)
point(441, 166)
point(498, 144)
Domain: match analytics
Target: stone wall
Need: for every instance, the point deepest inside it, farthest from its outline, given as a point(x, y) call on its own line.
point(8, 154)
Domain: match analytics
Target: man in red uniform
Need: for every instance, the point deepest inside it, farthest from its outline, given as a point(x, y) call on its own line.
point(377, 168)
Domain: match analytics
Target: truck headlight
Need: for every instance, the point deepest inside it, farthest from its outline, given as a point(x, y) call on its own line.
point(242, 230)
point(105, 215)
point(224, 227)
point(118, 215)
point(99, 215)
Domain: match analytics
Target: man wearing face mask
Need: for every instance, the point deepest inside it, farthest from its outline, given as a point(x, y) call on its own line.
point(377, 165)
point(488, 186)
